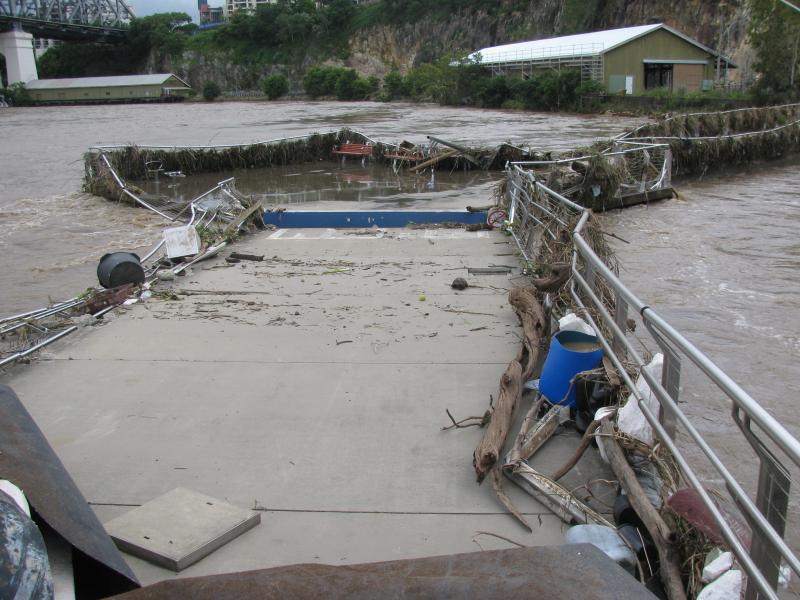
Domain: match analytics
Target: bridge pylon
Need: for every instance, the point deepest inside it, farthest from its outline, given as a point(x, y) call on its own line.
point(17, 47)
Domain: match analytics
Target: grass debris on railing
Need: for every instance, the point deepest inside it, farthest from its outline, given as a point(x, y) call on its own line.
point(703, 142)
point(130, 161)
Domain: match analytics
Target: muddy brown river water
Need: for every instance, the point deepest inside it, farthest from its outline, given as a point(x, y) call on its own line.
point(51, 235)
point(721, 262)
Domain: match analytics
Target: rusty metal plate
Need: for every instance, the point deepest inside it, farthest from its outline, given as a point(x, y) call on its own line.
point(27, 460)
point(576, 572)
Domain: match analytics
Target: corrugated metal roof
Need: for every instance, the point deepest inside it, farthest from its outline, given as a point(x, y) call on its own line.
point(94, 82)
point(583, 44)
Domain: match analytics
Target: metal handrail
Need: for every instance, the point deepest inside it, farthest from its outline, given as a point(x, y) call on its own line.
point(102, 149)
point(631, 133)
point(523, 180)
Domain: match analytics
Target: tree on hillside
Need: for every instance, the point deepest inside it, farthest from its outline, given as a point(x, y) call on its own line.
point(775, 36)
point(160, 35)
point(276, 86)
point(211, 91)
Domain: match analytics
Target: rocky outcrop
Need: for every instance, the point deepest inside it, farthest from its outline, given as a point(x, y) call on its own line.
point(379, 49)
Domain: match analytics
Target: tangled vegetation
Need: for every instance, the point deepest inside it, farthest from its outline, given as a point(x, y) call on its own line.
point(129, 161)
point(16, 94)
point(474, 85)
point(774, 33)
point(156, 37)
point(345, 84)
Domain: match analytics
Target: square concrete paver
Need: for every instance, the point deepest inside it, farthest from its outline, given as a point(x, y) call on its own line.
point(179, 528)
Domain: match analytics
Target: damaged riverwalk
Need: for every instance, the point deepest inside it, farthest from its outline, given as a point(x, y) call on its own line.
point(310, 386)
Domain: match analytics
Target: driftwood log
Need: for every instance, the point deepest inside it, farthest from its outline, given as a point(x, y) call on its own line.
point(522, 435)
point(535, 328)
point(559, 275)
point(493, 440)
point(585, 442)
point(669, 561)
point(497, 485)
point(435, 159)
point(534, 333)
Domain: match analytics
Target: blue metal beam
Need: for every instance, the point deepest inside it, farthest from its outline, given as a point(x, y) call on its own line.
point(378, 218)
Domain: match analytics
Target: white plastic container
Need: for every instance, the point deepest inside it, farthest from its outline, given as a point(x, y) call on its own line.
point(181, 241)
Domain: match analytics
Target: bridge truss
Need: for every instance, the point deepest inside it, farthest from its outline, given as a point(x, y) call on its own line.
point(66, 19)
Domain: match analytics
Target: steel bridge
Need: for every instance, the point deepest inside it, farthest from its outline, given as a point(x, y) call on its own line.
point(66, 19)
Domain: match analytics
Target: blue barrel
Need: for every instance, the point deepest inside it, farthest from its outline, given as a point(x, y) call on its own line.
point(119, 268)
point(571, 352)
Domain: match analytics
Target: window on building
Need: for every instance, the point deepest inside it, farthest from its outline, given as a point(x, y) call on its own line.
point(657, 76)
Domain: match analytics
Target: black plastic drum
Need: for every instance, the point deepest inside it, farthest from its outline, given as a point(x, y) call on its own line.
point(119, 268)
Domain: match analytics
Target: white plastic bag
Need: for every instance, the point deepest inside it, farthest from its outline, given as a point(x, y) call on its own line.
point(601, 414)
point(717, 567)
point(630, 418)
point(572, 322)
point(725, 587)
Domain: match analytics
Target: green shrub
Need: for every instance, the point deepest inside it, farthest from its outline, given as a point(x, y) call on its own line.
point(494, 92)
point(276, 86)
point(322, 81)
point(211, 91)
point(393, 85)
point(16, 94)
point(314, 82)
point(362, 89)
point(345, 84)
point(511, 104)
point(349, 86)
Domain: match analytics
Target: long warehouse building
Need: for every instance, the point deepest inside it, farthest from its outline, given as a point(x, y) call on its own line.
point(630, 60)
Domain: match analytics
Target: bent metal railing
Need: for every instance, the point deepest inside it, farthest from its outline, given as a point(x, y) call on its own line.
point(536, 211)
point(641, 169)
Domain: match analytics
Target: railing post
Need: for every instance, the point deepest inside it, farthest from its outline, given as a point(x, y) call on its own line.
point(589, 274)
point(621, 319)
point(671, 381)
point(772, 499)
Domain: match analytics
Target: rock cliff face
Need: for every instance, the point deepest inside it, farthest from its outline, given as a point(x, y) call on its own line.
point(375, 51)
point(715, 24)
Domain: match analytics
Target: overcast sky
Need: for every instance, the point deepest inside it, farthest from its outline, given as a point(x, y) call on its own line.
point(143, 8)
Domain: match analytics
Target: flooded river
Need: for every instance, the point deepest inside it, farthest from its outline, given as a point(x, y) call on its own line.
point(51, 235)
point(721, 262)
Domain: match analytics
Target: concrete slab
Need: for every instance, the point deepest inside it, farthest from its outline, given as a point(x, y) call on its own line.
point(311, 386)
point(179, 528)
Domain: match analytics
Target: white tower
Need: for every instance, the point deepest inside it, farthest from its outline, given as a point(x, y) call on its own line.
point(17, 47)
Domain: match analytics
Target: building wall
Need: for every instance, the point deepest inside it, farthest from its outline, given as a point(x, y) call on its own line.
point(234, 6)
point(116, 93)
point(628, 60)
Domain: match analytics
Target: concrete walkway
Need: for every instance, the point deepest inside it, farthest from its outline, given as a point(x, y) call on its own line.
point(312, 386)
